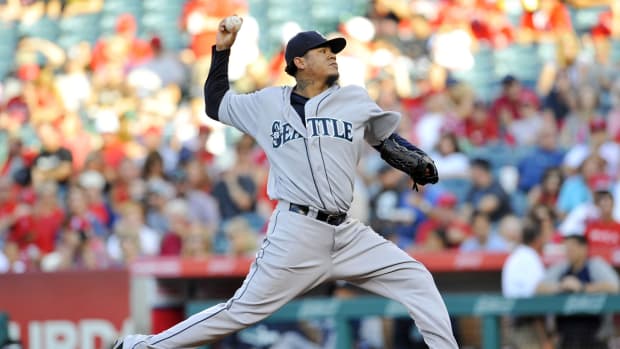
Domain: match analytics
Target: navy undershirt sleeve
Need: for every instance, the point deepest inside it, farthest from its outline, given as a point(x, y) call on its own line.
point(299, 102)
point(217, 82)
point(400, 140)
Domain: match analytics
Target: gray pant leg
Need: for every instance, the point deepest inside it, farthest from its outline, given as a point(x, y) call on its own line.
point(379, 266)
point(292, 260)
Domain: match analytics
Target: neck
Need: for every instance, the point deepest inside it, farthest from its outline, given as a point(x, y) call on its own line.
point(537, 246)
point(578, 264)
point(309, 87)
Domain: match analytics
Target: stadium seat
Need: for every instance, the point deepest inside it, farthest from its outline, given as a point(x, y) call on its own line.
point(522, 61)
point(8, 41)
point(8, 34)
point(480, 77)
point(79, 28)
point(45, 28)
point(457, 186)
point(498, 155)
point(514, 11)
point(585, 18)
point(518, 201)
point(162, 6)
point(615, 51)
point(547, 52)
point(5, 69)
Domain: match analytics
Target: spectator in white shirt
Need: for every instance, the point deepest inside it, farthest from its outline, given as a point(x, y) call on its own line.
point(450, 161)
point(521, 273)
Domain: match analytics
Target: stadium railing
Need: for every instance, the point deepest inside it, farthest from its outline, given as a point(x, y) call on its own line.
point(490, 308)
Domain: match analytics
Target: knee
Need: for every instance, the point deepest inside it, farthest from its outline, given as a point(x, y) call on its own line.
point(420, 271)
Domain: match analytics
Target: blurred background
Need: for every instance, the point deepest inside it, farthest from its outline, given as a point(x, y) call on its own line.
point(124, 208)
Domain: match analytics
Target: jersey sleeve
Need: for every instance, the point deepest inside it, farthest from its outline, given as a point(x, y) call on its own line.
point(554, 273)
point(241, 111)
point(603, 272)
point(381, 124)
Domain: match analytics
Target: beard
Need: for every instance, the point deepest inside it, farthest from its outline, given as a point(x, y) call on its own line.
point(332, 79)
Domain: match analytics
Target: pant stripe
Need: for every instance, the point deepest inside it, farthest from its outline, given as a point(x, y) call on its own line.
point(259, 256)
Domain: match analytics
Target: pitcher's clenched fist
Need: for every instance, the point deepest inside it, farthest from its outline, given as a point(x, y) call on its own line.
point(227, 32)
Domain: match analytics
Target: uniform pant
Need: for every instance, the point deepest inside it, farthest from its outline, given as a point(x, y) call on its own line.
point(298, 254)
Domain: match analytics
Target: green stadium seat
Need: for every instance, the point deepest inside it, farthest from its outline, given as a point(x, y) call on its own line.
point(5, 69)
point(585, 18)
point(499, 155)
point(547, 52)
point(45, 28)
point(8, 34)
point(522, 61)
point(519, 203)
point(163, 6)
point(79, 28)
point(615, 51)
point(459, 187)
point(155, 20)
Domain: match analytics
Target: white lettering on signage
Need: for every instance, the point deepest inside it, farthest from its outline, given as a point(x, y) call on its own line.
point(64, 334)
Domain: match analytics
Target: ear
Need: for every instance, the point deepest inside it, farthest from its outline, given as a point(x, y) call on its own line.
point(299, 62)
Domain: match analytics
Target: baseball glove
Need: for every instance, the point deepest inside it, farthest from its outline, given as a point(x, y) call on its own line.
point(413, 161)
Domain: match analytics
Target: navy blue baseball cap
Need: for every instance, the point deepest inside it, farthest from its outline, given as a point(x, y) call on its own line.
point(305, 41)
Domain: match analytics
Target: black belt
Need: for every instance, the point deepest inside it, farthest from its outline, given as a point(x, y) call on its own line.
point(329, 218)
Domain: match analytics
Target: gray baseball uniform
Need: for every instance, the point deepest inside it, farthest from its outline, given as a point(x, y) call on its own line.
point(314, 165)
point(313, 150)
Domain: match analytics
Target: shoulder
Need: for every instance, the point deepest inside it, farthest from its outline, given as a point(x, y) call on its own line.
point(63, 153)
point(354, 91)
point(597, 262)
point(558, 268)
point(272, 92)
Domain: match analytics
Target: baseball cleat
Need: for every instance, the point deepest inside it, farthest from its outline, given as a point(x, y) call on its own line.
point(131, 342)
point(118, 344)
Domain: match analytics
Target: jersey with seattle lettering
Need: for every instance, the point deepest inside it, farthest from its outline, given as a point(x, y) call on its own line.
point(312, 164)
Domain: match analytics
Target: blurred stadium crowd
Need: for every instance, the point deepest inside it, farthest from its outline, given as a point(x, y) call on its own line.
point(107, 155)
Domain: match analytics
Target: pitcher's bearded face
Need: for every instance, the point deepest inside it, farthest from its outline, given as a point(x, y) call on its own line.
point(320, 63)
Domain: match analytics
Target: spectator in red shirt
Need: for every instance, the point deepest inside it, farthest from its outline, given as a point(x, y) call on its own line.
point(494, 29)
point(546, 19)
point(7, 204)
point(443, 229)
point(21, 230)
point(80, 218)
point(76, 249)
point(124, 47)
point(200, 18)
point(48, 217)
point(127, 186)
point(179, 226)
point(112, 148)
point(76, 139)
point(603, 28)
point(507, 106)
point(480, 127)
point(93, 184)
point(604, 231)
point(201, 152)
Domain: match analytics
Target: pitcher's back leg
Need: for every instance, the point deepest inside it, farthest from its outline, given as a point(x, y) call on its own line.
point(284, 268)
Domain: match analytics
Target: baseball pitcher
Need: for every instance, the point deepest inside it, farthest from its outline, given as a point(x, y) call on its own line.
point(313, 134)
